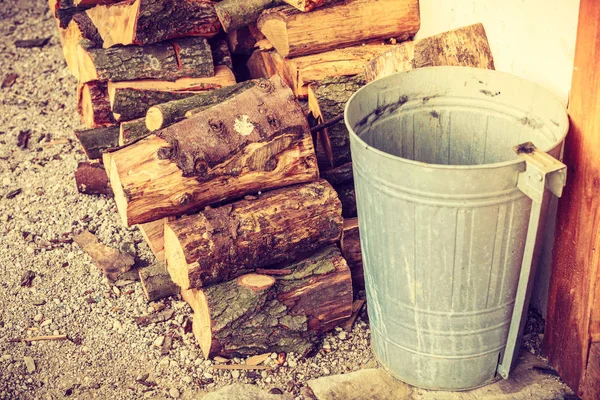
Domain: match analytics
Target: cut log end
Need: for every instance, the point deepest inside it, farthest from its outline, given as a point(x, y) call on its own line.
point(176, 261)
point(201, 325)
point(86, 68)
point(256, 281)
point(276, 31)
point(115, 182)
point(154, 119)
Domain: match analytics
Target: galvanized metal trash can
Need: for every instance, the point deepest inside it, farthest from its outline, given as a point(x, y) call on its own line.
point(450, 215)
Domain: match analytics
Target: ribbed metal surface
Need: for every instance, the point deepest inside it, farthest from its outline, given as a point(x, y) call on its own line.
point(443, 225)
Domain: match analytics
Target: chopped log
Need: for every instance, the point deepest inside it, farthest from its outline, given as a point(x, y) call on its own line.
point(221, 243)
point(132, 131)
point(257, 67)
point(347, 196)
point(257, 140)
point(64, 10)
point(300, 71)
point(223, 77)
point(236, 14)
point(221, 54)
point(157, 283)
point(241, 41)
point(467, 46)
point(165, 114)
point(153, 233)
point(144, 22)
point(96, 141)
point(351, 251)
point(326, 100)
point(128, 103)
point(189, 57)
point(80, 27)
point(91, 178)
point(112, 262)
point(93, 104)
point(306, 5)
point(340, 175)
point(257, 314)
point(339, 24)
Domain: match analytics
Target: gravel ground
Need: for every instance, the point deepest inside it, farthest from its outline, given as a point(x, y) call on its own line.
point(107, 353)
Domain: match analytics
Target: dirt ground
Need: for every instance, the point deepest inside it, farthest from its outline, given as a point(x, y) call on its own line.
point(106, 356)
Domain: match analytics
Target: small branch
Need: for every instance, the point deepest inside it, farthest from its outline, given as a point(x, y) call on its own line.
point(39, 338)
point(240, 366)
point(327, 123)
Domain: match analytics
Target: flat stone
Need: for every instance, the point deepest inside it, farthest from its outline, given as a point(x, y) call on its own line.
point(174, 393)
point(365, 384)
point(240, 391)
point(29, 364)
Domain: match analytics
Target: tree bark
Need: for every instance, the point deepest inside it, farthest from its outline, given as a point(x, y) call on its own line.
point(91, 178)
point(64, 10)
point(257, 314)
point(300, 71)
point(340, 175)
point(467, 46)
point(93, 105)
point(236, 14)
point(221, 243)
point(305, 5)
point(351, 251)
point(154, 235)
point(339, 24)
point(157, 283)
point(144, 22)
point(326, 100)
point(220, 52)
point(189, 57)
point(258, 140)
point(257, 67)
point(96, 141)
point(242, 41)
point(132, 131)
point(80, 27)
point(128, 104)
point(347, 196)
point(168, 113)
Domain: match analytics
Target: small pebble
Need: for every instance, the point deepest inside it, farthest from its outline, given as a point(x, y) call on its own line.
point(29, 250)
point(159, 341)
point(208, 375)
point(38, 317)
point(292, 363)
point(235, 374)
point(187, 379)
point(174, 393)
point(343, 335)
point(29, 364)
point(116, 290)
point(208, 363)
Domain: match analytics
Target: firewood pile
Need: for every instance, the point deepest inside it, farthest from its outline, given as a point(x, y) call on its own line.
point(197, 121)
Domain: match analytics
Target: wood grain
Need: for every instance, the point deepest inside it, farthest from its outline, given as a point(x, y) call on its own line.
point(572, 309)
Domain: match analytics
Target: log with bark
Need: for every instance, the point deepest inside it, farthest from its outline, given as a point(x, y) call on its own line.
point(80, 27)
point(339, 24)
point(326, 100)
point(144, 22)
point(128, 103)
point(347, 195)
point(300, 71)
point(339, 175)
point(257, 67)
point(64, 10)
point(467, 46)
point(351, 251)
point(112, 262)
point(257, 140)
point(236, 14)
point(306, 5)
point(221, 243)
point(91, 178)
point(132, 131)
point(156, 282)
point(153, 234)
point(165, 114)
point(96, 141)
point(257, 314)
point(170, 60)
point(93, 104)
point(221, 53)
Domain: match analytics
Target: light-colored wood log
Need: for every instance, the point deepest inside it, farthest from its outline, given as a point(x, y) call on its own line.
point(190, 164)
point(80, 27)
point(156, 282)
point(153, 233)
point(305, 5)
point(219, 244)
point(294, 33)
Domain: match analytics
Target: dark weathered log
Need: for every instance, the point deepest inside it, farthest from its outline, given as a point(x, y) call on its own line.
point(236, 14)
point(132, 131)
point(157, 283)
point(128, 104)
point(95, 141)
point(327, 100)
point(220, 52)
point(144, 22)
point(93, 104)
point(64, 10)
point(257, 314)
point(112, 262)
point(340, 175)
point(257, 67)
point(257, 140)
point(467, 47)
point(189, 57)
point(351, 251)
point(339, 24)
point(347, 196)
point(91, 178)
point(165, 114)
point(221, 243)
point(241, 41)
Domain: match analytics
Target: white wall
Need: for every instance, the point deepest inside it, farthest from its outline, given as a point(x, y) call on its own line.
point(534, 39)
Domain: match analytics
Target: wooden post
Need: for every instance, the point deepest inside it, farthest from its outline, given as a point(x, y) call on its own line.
point(573, 306)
